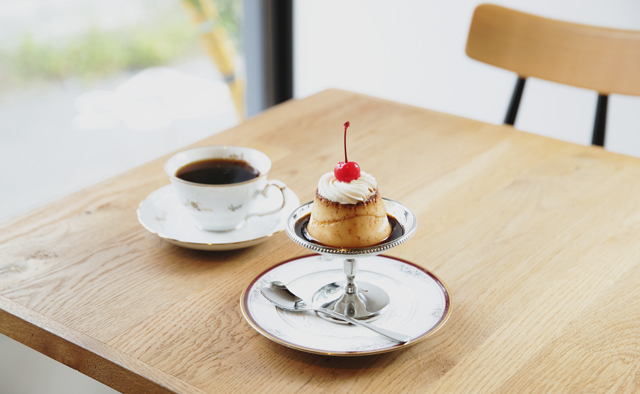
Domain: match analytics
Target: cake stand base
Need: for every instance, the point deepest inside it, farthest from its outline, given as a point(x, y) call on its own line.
point(363, 301)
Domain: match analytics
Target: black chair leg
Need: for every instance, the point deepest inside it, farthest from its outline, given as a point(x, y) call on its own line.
point(600, 123)
point(512, 112)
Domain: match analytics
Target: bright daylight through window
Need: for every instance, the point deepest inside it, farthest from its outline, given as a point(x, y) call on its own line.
point(89, 89)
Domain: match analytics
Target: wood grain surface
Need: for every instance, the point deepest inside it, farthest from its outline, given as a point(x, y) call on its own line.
point(590, 57)
point(537, 239)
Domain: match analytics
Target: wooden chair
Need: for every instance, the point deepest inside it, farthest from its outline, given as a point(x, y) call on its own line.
point(596, 58)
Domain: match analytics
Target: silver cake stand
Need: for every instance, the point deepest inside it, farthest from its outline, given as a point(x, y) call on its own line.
point(363, 301)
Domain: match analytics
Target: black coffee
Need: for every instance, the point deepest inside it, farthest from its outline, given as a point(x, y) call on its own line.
point(217, 172)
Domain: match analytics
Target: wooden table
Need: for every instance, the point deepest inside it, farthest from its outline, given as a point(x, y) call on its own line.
point(537, 239)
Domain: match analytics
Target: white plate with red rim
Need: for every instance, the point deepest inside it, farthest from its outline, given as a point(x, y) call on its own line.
point(420, 305)
point(162, 214)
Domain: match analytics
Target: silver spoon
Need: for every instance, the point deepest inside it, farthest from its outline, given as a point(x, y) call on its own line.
point(282, 297)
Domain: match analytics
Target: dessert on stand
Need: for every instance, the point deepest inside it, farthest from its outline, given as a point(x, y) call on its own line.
point(350, 220)
point(348, 223)
point(348, 210)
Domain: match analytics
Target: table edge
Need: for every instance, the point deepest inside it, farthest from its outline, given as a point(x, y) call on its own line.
point(87, 355)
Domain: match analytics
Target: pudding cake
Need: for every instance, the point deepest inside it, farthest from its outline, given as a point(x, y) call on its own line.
point(348, 211)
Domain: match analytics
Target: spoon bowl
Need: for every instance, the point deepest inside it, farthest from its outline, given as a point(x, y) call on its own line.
point(278, 294)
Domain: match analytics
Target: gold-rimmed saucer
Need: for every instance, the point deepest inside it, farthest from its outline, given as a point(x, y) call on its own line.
point(420, 306)
point(161, 214)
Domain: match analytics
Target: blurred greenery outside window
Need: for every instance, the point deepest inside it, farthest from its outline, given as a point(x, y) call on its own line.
point(98, 52)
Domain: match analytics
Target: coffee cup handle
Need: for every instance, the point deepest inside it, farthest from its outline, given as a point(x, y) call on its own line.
point(264, 194)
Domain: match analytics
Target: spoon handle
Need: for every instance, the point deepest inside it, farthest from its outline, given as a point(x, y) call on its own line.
point(395, 336)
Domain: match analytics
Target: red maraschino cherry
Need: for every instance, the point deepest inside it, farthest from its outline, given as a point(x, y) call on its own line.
point(346, 171)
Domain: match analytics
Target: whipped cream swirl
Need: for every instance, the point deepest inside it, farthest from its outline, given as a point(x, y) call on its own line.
point(347, 193)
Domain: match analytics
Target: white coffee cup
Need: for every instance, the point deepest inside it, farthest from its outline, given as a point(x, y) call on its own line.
point(222, 207)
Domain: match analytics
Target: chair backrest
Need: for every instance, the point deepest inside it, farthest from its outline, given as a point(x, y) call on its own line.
point(596, 58)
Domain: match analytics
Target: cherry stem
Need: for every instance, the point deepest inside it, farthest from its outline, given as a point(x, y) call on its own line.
point(346, 126)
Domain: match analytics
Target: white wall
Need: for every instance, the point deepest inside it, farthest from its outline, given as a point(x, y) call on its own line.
point(413, 52)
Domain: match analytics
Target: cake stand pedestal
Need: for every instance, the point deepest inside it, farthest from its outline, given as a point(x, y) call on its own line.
point(359, 300)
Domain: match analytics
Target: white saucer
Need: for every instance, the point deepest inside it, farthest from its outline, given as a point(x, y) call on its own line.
point(162, 214)
point(420, 305)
